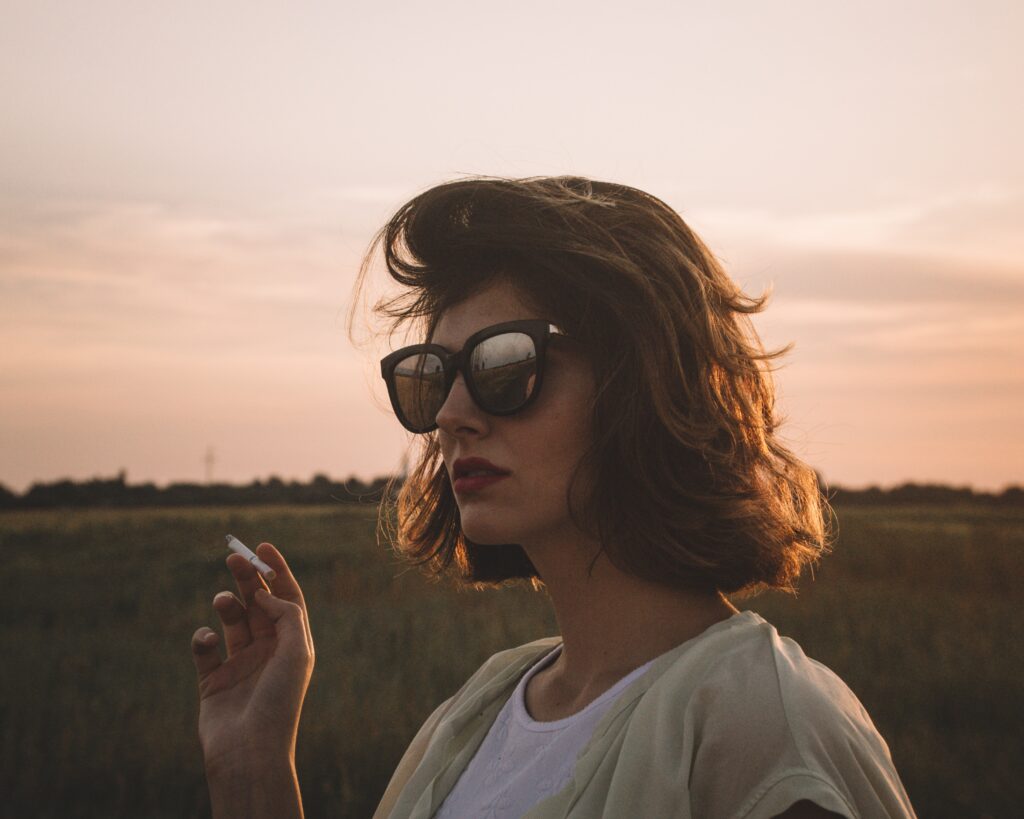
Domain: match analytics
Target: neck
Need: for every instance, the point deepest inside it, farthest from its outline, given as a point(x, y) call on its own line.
point(612, 622)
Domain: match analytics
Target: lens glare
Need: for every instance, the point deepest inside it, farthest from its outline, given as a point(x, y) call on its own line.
point(419, 382)
point(504, 371)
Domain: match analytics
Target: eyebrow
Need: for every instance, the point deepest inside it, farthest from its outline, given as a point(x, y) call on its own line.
point(447, 349)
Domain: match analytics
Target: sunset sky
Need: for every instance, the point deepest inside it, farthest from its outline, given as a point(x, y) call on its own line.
point(186, 191)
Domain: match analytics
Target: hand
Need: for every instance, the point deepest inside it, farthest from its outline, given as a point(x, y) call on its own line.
point(250, 702)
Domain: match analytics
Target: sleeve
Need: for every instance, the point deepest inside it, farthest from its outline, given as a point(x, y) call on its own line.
point(792, 786)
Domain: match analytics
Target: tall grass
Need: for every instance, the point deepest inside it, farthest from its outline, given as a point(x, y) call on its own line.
point(918, 610)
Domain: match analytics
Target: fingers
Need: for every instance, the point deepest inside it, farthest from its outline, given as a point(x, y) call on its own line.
point(204, 651)
point(245, 574)
point(234, 620)
point(249, 581)
point(285, 586)
point(290, 621)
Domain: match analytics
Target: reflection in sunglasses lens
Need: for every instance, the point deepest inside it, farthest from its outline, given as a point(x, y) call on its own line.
point(503, 369)
point(419, 382)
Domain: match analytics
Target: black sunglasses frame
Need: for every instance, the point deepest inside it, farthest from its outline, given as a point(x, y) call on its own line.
point(540, 330)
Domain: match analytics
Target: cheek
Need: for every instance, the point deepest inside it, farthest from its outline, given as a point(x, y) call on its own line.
point(569, 430)
point(555, 451)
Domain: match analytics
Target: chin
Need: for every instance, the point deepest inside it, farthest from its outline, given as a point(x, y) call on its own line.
point(486, 536)
point(486, 532)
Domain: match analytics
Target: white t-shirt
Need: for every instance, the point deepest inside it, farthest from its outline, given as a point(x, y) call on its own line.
point(521, 760)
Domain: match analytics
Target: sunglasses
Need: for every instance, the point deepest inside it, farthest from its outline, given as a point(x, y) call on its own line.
point(503, 366)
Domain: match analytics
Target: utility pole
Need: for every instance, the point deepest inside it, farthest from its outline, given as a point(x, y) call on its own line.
point(209, 460)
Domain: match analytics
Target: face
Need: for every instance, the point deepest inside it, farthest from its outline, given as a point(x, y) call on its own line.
point(539, 446)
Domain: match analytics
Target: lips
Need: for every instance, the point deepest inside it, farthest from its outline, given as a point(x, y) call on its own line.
point(464, 481)
point(464, 466)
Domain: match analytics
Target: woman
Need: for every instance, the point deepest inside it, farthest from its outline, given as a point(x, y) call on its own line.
point(599, 422)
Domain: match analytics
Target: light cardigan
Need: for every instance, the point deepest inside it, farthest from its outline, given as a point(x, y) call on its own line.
point(736, 723)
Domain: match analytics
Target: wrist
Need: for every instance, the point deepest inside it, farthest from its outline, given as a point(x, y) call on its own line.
point(249, 764)
point(255, 789)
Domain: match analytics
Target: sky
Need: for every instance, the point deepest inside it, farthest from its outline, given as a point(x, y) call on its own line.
point(186, 193)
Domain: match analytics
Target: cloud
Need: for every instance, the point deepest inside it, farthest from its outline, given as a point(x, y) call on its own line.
point(989, 336)
point(831, 312)
point(883, 277)
point(981, 224)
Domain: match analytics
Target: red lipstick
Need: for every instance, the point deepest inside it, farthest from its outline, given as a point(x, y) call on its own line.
point(466, 481)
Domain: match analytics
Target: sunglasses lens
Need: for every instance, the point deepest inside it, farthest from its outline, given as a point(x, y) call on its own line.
point(504, 371)
point(419, 382)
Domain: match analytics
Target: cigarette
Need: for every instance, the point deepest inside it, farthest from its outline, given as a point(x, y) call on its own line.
point(235, 545)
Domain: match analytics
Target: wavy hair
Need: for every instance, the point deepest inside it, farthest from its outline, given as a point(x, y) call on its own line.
point(692, 488)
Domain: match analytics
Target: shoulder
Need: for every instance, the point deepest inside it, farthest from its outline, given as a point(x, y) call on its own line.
point(744, 673)
point(759, 680)
point(763, 720)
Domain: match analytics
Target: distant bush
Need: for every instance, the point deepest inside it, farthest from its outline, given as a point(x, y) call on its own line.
point(8, 499)
point(117, 493)
point(927, 494)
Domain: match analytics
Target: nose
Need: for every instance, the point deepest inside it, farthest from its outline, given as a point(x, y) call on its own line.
point(459, 412)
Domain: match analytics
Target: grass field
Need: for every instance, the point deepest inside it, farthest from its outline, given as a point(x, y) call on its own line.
point(918, 610)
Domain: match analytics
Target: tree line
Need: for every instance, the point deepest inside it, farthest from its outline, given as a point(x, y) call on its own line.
point(117, 492)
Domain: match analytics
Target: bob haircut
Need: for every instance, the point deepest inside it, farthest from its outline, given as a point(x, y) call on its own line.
point(693, 490)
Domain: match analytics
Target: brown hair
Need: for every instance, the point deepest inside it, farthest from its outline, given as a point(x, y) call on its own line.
point(693, 489)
